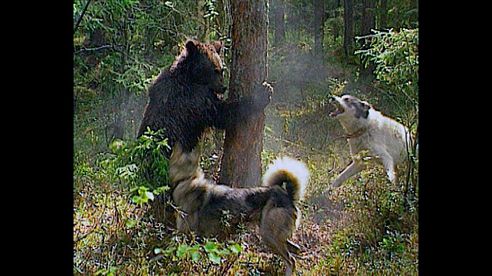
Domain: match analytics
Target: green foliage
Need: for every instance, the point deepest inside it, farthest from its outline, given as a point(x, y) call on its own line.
point(378, 236)
point(107, 272)
point(395, 54)
point(123, 44)
point(140, 164)
point(142, 195)
point(209, 251)
point(402, 13)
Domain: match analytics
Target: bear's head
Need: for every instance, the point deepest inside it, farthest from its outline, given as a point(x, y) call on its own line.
point(202, 65)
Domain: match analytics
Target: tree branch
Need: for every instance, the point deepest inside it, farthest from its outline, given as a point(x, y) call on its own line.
point(95, 49)
point(81, 15)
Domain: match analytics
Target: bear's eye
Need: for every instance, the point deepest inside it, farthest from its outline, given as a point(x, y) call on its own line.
point(346, 99)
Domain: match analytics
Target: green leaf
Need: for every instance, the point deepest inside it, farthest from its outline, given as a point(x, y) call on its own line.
point(157, 250)
point(182, 249)
point(130, 223)
point(236, 248)
point(214, 258)
point(160, 190)
point(116, 146)
point(136, 199)
point(195, 256)
point(210, 247)
point(223, 252)
point(169, 251)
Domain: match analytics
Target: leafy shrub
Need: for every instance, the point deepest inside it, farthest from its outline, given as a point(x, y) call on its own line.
point(377, 236)
point(141, 164)
point(188, 254)
point(395, 55)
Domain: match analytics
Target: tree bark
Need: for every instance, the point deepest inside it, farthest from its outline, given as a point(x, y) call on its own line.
point(368, 23)
point(348, 26)
point(123, 95)
point(319, 20)
point(383, 21)
point(203, 22)
point(118, 128)
point(279, 21)
point(241, 163)
point(335, 16)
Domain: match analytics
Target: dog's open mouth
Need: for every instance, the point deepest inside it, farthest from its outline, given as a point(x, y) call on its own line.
point(338, 109)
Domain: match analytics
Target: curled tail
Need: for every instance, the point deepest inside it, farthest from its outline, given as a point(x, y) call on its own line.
point(292, 172)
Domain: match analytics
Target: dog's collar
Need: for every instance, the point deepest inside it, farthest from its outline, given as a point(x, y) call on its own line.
point(355, 134)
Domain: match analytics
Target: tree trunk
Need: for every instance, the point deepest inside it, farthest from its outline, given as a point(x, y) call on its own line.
point(335, 16)
point(348, 26)
point(383, 21)
point(119, 125)
point(319, 20)
point(241, 163)
point(279, 21)
point(203, 22)
point(368, 23)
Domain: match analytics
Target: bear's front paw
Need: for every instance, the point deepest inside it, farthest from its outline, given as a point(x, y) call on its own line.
point(268, 88)
point(264, 95)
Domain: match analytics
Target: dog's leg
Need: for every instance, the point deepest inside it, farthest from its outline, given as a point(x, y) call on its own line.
point(352, 169)
point(293, 248)
point(290, 267)
point(281, 248)
point(276, 227)
point(389, 167)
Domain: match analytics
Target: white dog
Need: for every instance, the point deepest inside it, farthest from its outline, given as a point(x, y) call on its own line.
point(368, 129)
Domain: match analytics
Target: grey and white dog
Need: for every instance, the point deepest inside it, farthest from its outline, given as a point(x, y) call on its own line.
point(367, 129)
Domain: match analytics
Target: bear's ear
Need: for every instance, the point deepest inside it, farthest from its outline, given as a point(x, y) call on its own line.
point(191, 47)
point(218, 46)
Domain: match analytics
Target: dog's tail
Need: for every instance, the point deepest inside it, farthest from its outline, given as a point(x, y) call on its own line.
point(294, 174)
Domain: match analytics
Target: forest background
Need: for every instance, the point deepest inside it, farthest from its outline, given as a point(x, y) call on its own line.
point(315, 49)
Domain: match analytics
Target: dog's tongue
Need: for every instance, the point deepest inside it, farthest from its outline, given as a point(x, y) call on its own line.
point(335, 113)
point(336, 109)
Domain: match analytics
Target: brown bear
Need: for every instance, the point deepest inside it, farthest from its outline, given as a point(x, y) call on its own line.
point(187, 99)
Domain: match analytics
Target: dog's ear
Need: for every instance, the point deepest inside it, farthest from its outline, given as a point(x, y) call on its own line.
point(362, 110)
